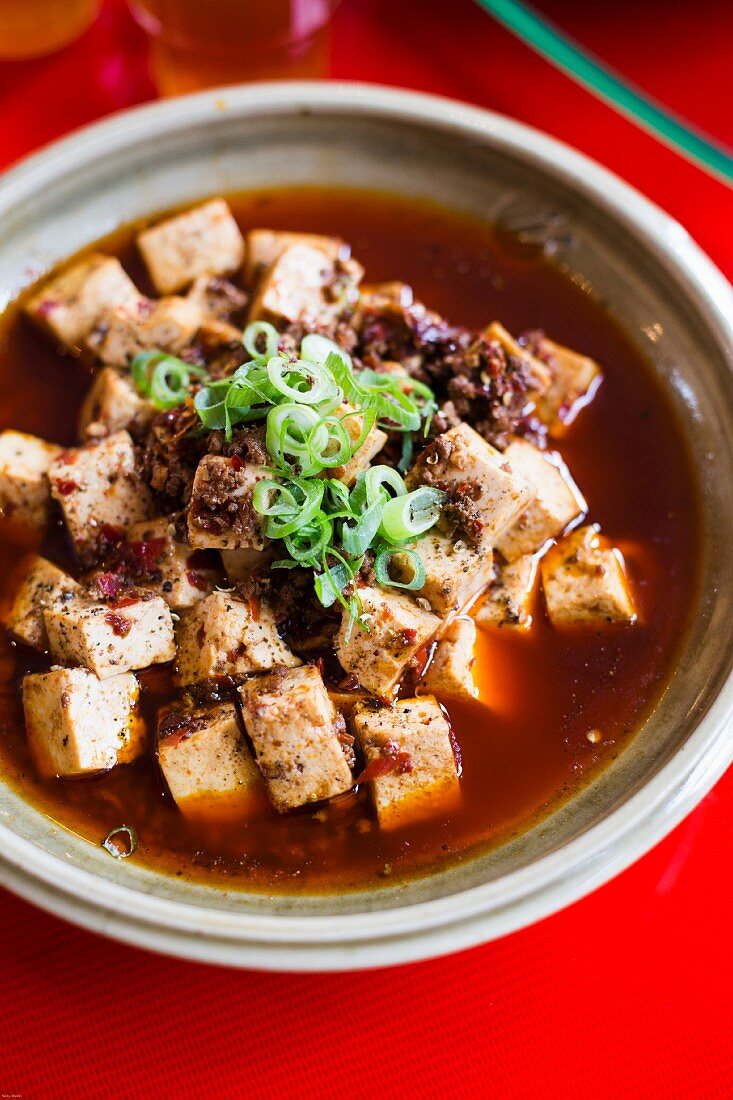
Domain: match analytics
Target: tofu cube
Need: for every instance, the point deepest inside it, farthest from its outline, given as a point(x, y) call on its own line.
point(100, 493)
point(306, 286)
point(449, 673)
point(585, 582)
point(70, 304)
point(225, 636)
point(78, 724)
point(397, 629)
point(168, 567)
point(540, 374)
point(207, 763)
point(353, 422)
point(295, 731)
point(109, 638)
point(25, 493)
point(557, 501)
point(575, 380)
point(239, 565)
point(112, 404)
point(220, 512)
point(379, 296)
point(44, 585)
point(509, 599)
point(217, 298)
point(413, 740)
point(204, 240)
point(168, 324)
point(265, 246)
point(346, 701)
point(455, 573)
point(492, 495)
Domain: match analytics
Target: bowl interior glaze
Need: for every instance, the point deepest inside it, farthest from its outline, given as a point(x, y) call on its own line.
point(669, 299)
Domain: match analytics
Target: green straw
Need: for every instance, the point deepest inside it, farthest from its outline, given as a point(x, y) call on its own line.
point(562, 52)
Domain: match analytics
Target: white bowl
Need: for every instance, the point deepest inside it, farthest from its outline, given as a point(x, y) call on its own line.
point(672, 302)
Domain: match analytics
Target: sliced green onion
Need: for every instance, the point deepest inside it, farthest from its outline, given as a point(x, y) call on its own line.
point(406, 517)
point(258, 333)
point(378, 480)
point(210, 404)
point(329, 443)
point(316, 349)
point(306, 383)
point(121, 842)
point(330, 584)
point(289, 428)
point(406, 558)
point(310, 542)
point(169, 384)
point(357, 539)
point(163, 378)
point(289, 509)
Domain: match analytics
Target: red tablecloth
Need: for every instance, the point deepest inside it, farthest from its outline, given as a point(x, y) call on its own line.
point(627, 992)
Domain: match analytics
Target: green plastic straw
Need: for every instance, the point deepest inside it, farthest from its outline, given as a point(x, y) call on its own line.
point(562, 52)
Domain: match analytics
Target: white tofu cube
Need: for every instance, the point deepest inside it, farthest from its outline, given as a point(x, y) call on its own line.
point(265, 246)
point(100, 492)
point(379, 296)
point(463, 464)
point(43, 586)
point(25, 493)
point(306, 286)
point(217, 298)
point(226, 636)
point(207, 763)
point(239, 565)
point(509, 599)
point(220, 512)
point(171, 569)
point(539, 373)
point(168, 324)
point(112, 404)
point(353, 422)
point(557, 501)
point(397, 629)
point(295, 731)
point(78, 724)
point(70, 304)
point(575, 381)
point(204, 240)
point(110, 638)
point(455, 573)
point(449, 673)
point(585, 582)
point(410, 762)
point(346, 702)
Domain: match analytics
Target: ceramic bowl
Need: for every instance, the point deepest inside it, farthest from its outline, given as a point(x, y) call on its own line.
point(669, 298)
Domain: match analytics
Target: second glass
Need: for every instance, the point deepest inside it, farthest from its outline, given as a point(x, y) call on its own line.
point(202, 43)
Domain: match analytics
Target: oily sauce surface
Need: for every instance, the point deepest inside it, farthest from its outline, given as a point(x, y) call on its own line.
point(523, 743)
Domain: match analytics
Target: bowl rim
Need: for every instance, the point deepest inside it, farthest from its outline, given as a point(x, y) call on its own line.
point(480, 913)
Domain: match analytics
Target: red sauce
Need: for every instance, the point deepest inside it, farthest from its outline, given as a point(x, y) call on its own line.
point(523, 743)
point(121, 626)
point(66, 487)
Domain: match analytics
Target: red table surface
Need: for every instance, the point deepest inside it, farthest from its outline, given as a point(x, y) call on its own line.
point(625, 993)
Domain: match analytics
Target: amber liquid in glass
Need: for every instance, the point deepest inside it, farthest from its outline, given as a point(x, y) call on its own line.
point(203, 43)
point(33, 28)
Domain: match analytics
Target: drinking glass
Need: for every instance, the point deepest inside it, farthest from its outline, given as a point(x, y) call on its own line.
point(33, 28)
point(201, 43)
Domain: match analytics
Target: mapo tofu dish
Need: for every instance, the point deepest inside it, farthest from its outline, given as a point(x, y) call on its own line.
point(314, 540)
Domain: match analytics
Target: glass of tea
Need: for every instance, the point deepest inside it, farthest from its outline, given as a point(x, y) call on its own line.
point(34, 28)
point(202, 43)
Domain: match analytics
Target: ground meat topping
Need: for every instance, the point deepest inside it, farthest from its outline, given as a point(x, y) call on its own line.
point(217, 508)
